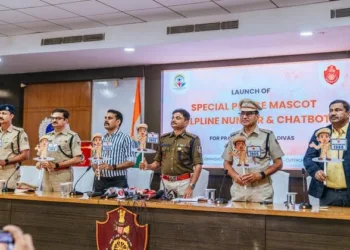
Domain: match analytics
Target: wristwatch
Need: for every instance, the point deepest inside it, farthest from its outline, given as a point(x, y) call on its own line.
point(6, 161)
point(114, 167)
point(57, 165)
point(192, 185)
point(263, 175)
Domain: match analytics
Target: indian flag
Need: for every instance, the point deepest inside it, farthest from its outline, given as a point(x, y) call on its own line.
point(136, 118)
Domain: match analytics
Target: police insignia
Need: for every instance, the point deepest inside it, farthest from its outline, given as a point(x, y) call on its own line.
point(25, 138)
point(121, 231)
point(331, 74)
point(199, 149)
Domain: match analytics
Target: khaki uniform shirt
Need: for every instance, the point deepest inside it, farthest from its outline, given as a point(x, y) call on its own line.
point(60, 145)
point(335, 170)
point(12, 142)
point(257, 139)
point(175, 154)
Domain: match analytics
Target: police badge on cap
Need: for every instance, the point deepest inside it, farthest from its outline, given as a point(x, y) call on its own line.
point(249, 105)
point(7, 107)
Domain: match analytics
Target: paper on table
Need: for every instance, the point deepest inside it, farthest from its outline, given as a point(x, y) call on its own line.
point(194, 199)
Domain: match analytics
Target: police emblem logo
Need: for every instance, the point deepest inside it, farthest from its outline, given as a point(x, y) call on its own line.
point(45, 127)
point(331, 74)
point(7, 108)
point(121, 231)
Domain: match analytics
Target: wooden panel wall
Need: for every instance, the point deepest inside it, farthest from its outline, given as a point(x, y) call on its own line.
point(41, 99)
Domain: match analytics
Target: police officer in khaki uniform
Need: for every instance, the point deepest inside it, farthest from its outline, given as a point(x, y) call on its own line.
point(65, 147)
point(179, 155)
point(14, 146)
point(262, 147)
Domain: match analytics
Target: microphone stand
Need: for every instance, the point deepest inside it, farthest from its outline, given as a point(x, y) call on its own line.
point(5, 189)
point(304, 204)
point(220, 200)
point(77, 192)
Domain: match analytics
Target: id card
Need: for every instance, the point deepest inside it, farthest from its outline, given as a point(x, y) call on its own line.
point(253, 151)
point(339, 144)
point(52, 147)
point(152, 138)
point(107, 146)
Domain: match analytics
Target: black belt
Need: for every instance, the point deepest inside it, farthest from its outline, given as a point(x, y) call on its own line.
point(337, 189)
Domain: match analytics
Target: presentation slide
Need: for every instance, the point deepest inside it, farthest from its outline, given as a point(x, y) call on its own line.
point(295, 99)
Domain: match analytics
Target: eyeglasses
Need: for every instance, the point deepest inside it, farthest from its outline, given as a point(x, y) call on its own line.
point(247, 113)
point(56, 118)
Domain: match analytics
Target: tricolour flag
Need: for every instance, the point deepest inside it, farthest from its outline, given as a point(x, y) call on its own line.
point(136, 118)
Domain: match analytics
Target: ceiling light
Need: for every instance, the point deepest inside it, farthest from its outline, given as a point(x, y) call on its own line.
point(306, 33)
point(129, 49)
point(0, 59)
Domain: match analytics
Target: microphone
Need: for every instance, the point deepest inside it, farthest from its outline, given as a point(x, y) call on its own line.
point(109, 192)
point(220, 200)
point(94, 194)
point(304, 204)
point(158, 195)
point(151, 194)
point(171, 194)
point(112, 195)
point(75, 185)
point(5, 189)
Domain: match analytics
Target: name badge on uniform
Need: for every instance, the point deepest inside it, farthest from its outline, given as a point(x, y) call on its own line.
point(152, 138)
point(107, 146)
point(253, 151)
point(339, 144)
point(52, 147)
point(0, 143)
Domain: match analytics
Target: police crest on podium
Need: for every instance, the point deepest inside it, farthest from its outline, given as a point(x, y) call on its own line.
point(121, 231)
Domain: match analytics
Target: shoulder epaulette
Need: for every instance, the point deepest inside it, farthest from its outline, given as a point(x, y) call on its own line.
point(192, 135)
point(266, 131)
point(166, 134)
point(234, 133)
point(71, 132)
point(17, 129)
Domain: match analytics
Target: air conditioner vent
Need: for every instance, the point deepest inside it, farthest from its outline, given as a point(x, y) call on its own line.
point(340, 13)
point(203, 27)
point(51, 41)
point(180, 29)
point(229, 25)
point(207, 27)
point(94, 38)
point(73, 39)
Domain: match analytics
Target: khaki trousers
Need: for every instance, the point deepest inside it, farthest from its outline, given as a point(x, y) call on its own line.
point(259, 192)
point(52, 179)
